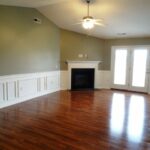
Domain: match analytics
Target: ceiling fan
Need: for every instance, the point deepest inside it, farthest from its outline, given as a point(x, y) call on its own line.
point(88, 22)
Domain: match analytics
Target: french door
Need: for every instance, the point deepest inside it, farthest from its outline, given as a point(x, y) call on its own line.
point(129, 68)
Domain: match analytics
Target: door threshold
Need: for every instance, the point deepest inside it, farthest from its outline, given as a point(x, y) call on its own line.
point(129, 91)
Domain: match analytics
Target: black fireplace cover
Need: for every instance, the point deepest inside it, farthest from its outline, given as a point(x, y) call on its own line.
point(82, 78)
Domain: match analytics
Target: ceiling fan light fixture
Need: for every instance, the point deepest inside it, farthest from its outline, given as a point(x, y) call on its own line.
point(88, 23)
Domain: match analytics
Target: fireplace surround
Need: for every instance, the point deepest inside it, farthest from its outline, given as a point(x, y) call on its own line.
point(83, 65)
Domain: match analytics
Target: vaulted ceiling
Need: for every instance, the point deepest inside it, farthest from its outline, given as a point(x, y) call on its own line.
point(120, 16)
point(29, 3)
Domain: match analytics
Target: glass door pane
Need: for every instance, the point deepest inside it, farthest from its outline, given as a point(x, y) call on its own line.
point(120, 66)
point(139, 67)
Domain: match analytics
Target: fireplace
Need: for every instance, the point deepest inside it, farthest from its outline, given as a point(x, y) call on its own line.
point(82, 78)
point(82, 65)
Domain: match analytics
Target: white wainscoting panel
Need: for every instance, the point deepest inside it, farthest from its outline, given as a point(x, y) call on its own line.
point(42, 84)
point(2, 98)
point(27, 87)
point(19, 88)
point(11, 90)
point(64, 78)
point(103, 79)
point(52, 83)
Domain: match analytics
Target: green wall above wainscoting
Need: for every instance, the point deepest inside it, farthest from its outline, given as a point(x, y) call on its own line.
point(74, 44)
point(25, 46)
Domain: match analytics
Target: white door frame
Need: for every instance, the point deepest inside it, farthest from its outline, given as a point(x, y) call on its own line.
point(124, 87)
point(140, 89)
point(129, 64)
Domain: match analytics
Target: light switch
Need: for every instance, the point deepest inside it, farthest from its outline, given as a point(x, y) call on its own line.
point(80, 55)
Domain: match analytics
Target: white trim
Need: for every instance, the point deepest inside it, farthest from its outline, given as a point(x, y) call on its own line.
point(129, 68)
point(26, 75)
point(70, 61)
point(22, 87)
point(113, 49)
point(64, 80)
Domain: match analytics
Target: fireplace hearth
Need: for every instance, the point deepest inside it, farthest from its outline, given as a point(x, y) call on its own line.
point(82, 78)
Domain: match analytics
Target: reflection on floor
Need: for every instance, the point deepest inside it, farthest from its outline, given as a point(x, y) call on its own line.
point(79, 120)
point(134, 113)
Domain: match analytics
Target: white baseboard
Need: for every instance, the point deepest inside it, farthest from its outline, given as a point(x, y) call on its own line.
point(19, 88)
point(103, 80)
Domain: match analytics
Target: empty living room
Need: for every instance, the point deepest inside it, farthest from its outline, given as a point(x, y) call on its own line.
point(74, 74)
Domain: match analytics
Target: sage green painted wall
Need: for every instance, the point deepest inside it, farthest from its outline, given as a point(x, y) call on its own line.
point(73, 44)
point(120, 42)
point(27, 47)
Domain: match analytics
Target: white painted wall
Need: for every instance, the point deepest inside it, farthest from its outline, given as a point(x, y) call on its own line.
point(18, 88)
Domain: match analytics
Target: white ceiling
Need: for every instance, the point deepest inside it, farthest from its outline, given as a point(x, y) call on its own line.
point(120, 16)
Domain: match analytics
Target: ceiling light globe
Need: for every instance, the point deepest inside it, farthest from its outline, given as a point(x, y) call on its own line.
point(88, 24)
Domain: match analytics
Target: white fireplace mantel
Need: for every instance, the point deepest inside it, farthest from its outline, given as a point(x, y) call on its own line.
point(83, 64)
point(81, 61)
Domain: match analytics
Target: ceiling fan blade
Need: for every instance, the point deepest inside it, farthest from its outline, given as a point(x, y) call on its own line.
point(99, 24)
point(77, 23)
point(99, 20)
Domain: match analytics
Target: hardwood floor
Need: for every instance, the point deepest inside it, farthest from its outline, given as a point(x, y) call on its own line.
point(88, 120)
